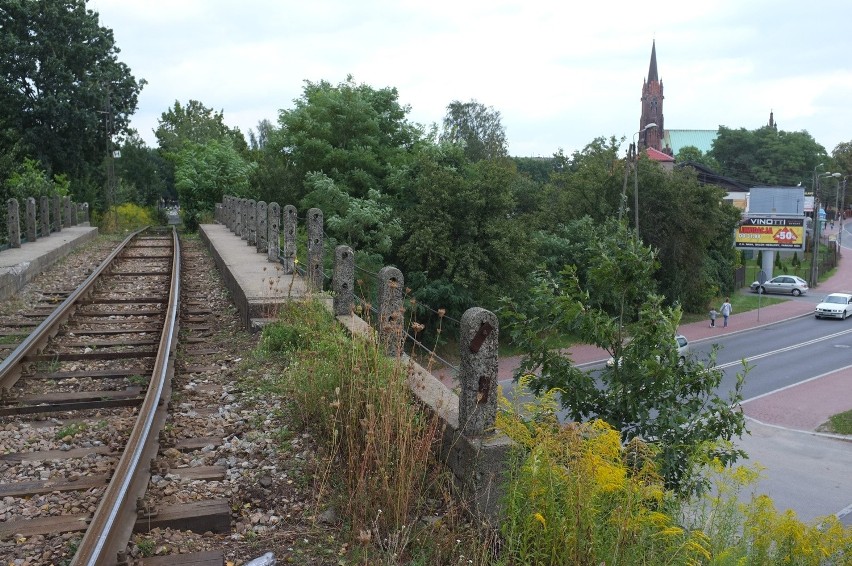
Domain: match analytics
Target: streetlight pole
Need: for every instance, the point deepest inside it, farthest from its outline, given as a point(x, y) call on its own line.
point(815, 230)
point(815, 250)
point(842, 213)
point(636, 176)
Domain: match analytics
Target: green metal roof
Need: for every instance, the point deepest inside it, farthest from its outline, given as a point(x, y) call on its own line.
point(677, 139)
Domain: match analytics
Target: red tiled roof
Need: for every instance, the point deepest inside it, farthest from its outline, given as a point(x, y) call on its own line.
point(656, 155)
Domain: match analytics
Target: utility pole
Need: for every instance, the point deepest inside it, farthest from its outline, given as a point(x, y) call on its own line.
point(815, 245)
point(110, 162)
point(815, 251)
point(842, 214)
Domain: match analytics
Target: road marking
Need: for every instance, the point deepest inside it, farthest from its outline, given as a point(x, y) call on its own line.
point(795, 384)
point(786, 349)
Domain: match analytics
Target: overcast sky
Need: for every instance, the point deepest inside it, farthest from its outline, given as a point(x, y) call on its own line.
point(560, 72)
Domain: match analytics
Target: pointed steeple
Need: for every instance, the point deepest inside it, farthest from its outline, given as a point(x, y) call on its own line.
point(652, 70)
point(652, 107)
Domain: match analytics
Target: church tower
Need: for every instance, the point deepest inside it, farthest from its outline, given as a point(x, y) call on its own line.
point(652, 106)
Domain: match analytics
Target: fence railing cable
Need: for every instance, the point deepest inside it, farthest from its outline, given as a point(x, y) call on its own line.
point(432, 353)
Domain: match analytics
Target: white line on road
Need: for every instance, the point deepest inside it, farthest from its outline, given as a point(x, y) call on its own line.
point(786, 349)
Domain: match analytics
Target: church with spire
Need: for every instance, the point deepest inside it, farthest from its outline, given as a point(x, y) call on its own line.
point(659, 143)
point(662, 145)
point(652, 107)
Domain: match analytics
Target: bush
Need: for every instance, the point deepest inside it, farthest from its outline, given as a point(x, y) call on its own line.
point(576, 495)
point(122, 218)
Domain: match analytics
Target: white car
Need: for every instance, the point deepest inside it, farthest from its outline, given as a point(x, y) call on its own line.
point(682, 350)
point(835, 305)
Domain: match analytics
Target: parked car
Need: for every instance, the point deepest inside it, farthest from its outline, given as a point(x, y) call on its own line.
point(784, 284)
point(682, 351)
point(835, 305)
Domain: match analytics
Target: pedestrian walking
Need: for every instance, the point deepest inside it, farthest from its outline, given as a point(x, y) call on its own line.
point(726, 310)
point(713, 315)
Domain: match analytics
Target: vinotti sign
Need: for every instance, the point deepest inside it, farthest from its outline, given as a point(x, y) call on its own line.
point(758, 232)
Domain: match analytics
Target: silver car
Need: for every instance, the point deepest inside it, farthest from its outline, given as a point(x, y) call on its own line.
point(784, 284)
point(682, 351)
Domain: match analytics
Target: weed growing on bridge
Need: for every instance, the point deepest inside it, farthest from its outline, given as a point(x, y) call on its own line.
point(359, 401)
point(578, 496)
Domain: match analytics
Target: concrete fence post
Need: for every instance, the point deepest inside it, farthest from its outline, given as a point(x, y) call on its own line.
point(245, 226)
point(478, 371)
point(290, 221)
point(315, 249)
point(86, 212)
point(56, 208)
point(343, 281)
point(238, 226)
point(390, 318)
point(31, 220)
point(251, 237)
point(274, 233)
point(72, 208)
point(66, 209)
point(226, 211)
point(44, 216)
point(13, 223)
point(262, 231)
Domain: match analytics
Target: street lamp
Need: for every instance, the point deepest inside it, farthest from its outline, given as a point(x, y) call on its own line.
point(843, 212)
point(636, 176)
point(815, 250)
point(815, 230)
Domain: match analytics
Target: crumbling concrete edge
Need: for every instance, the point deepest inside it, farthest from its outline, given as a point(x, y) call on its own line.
point(13, 279)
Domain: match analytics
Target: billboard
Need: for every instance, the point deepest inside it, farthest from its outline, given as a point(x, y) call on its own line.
point(771, 233)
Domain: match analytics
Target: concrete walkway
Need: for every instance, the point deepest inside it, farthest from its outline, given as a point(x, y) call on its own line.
point(18, 266)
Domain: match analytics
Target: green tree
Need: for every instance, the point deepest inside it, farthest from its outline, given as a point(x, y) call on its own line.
point(690, 227)
point(30, 180)
point(462, 246)
point(143, 172)
point(204, 173)
point(366, 224)
point(194, 123)
point(63, 91)
point(354, 134)
point(647, 393)
point(589, 183)
point(690, 153)
point(767, 156)
point(842, 155)
point(686, 222)
point(477, 128)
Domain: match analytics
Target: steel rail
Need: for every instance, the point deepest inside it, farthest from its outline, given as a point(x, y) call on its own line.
point(10, 368)
point(113, 521)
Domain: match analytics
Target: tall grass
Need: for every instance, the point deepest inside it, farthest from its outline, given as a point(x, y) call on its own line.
point(359, 401)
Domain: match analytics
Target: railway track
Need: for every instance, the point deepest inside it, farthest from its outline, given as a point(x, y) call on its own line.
point(87, 391)
point(97, 369)
point(217, 486)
